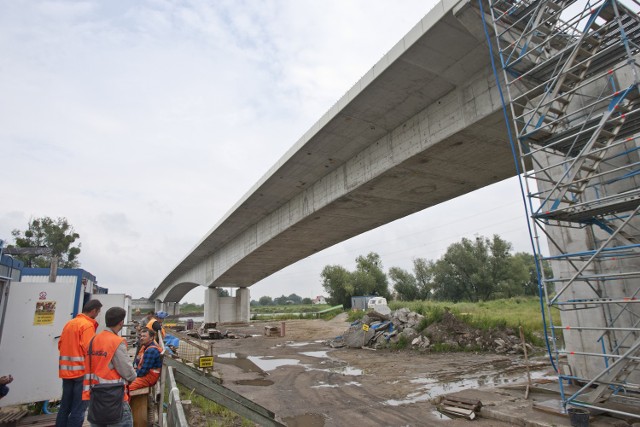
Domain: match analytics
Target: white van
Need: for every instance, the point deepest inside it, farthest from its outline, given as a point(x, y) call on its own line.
point(379, 304)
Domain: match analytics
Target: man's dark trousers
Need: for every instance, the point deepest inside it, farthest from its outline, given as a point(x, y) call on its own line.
point(72, 407)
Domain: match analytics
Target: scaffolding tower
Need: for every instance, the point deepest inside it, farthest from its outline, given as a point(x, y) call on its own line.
point(571, 79)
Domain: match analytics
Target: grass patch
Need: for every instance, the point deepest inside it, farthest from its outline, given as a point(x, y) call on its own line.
point(214, 414)
point(287, 312)
point(289, 308)
point(354, 315)
point(499, 314)
point(402, 343)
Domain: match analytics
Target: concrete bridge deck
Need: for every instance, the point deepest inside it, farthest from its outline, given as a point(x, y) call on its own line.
point(423, 126)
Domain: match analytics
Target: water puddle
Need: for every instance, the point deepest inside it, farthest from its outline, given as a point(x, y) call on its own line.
point(325, 385)
point(252, 363)
point(269, 364)
point(240, 361)
point(306, 420)
point(319, 354)
point(343, 370)
point(432, 387)
point(296, 344)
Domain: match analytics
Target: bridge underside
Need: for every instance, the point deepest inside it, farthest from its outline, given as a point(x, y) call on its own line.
point(469, 160)
point(423, 126)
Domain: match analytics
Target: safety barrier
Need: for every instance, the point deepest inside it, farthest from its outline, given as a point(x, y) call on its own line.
point(175, 415)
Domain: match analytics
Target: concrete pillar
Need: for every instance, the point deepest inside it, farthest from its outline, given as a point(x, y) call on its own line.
point(243, 301)
point(211, 305)
point(173, 308)
point(159, 306)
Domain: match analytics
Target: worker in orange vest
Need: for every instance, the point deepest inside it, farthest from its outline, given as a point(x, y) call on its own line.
point(73, 345)
point(109, 362)
point(155, 324)
point(148, 362)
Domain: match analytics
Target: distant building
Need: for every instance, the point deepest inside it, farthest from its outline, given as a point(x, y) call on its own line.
point(319, 300)
point(142, 306)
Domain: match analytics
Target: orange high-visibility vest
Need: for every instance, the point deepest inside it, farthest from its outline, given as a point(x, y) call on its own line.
point(151, 377)
point(97, 363)
point(72, 348)
point(150, 326)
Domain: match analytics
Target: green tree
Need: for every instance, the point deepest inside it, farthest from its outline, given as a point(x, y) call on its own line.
point(281, 300)
point(404, 283)
point(367, 279)
point(265, 300)
point(531, 283)
point(295, 298)
point(189, 307)
point(336, 282)
point(223, 292)
point(472, 270)
point(423, 273)
point(57, 235)
point(306, 301)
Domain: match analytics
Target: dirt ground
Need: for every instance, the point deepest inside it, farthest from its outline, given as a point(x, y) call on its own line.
point(307, 383)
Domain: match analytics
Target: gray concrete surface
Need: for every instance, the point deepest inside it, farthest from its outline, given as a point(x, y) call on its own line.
point(421, 127)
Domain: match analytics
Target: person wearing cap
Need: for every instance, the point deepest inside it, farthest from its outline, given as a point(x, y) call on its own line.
point(155, 324)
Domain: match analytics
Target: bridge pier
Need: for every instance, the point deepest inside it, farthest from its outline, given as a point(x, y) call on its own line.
point(159, 306)
point(226, 309)
point(211, 305)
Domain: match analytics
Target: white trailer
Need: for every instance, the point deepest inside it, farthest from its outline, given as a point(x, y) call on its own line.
point(34, 316)
point(113, 300)
point(30, 326)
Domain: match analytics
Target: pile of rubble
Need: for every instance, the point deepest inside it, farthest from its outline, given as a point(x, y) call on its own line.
point(208, 331)
point(377, 330)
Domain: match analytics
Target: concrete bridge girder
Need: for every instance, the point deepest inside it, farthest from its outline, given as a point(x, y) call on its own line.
point(421, 127)
point(453, 147)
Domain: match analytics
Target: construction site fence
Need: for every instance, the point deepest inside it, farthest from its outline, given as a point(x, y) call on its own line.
point(175, 415)
point(191, 350)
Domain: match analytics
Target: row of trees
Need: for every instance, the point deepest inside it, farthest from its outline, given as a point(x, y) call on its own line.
point(281, 300)
point(470, 270)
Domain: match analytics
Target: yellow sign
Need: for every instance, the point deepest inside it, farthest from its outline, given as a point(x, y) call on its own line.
point(205, 362)
point(365, 327)
point(45, 313)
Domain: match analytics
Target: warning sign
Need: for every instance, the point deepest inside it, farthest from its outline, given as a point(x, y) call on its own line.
point(45, 313)
point(205, 362)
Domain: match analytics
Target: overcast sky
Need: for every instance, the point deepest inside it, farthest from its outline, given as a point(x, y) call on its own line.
point(143, 122)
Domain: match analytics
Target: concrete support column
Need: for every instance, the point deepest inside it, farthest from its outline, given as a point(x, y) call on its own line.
point(243, 300)
point(211, 305)
point(172, 308)
point(159, 306)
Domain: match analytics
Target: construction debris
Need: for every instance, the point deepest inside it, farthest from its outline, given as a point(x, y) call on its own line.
point(376, 330)
point(10, 416)
point(459, 407)
point(208, 331)
point(271, 331)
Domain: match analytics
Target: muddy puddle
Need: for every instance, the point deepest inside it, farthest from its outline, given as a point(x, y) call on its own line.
point(255, 364)
point(426, 388)
point(432, 387)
